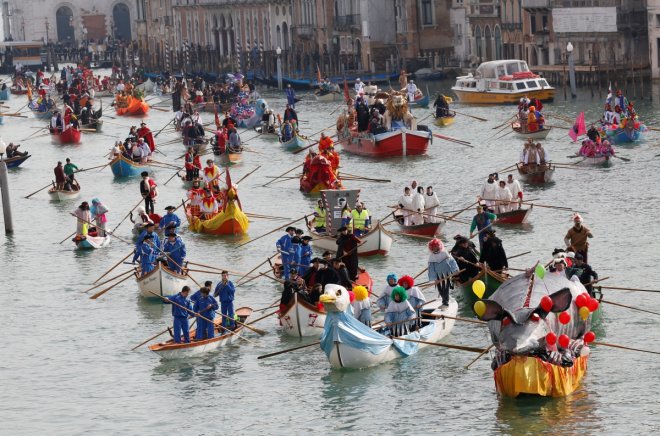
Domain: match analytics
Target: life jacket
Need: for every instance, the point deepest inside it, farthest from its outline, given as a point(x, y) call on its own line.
point(359, 218)
point(319, 221)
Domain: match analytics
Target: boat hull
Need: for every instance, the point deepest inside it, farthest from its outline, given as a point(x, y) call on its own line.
point(445, 121)
point(228, 159)
point(377, 242)
point(345, 356)
point(300, 319)
point(122, 167)
point(232, 221)
point(295, 143)
point(422, 102)
point(14, 162)
point(518, 216)
point(539, 134)
point(532, 376)
point(69, 136)
point(426, 229)
point(537, 174)
point(595, 161)
point(135, 108)
point(93, 242)
point(492, 97)
point(402, 142)
point(63, 195)
point(161, 281)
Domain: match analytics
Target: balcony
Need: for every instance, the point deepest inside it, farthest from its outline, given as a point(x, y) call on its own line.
point(511, 27)
point(488, 10)
point(304, 30)
point(347, 22)
point(536, 5)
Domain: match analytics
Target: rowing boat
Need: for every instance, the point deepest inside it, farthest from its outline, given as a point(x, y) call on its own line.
point(293, 144)
point(595, 161)
point(161, 280)
point(536, 174)
point(122, 167)
point(517, 216)
point(420, 102)
point(16, 161)
point(445, 121)
point(63, 195)
point(426, 229)
point(348, 343)
point(402, 142)
point(491, 279)
point(539, 134)
point(172, 350)
point(92, 242)
point(377, 241)
point(134, 107)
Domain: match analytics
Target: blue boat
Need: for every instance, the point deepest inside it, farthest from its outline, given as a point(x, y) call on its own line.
point(14, 162)
point(122, 167)
point(623, 136)
point(295, 143)
point(4, 94)
point(422, 102)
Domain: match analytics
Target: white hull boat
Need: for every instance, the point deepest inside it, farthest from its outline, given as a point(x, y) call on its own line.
point(300, 319)
point(160, 280)
point(377, 241)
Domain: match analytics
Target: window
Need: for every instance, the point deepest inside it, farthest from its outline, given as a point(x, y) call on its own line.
point(427, 13)
point(520, 85)
point(543, 83)
point(531, 84)
point(141, 10)
point(544, 22)
point(532, 19)
point(657, 20)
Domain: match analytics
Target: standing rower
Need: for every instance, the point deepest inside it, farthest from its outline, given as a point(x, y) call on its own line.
point(225, 292)
point(480, 221)
point(284, 246)
point(206, 306)
point(347, 251)
point(576, 237)
point(170, 222)
point(148, 191)
point(180, 315)
point(175, 250)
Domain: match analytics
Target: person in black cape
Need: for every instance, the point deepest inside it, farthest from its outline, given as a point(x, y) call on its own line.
point(347, 251)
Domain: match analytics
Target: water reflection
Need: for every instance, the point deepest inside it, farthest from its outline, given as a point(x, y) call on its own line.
point(152, 309)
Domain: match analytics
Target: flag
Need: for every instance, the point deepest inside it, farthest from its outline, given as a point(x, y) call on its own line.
point(609, 93)
point(578, 128)
point(217, 118)
point(347, 96)
point(318, 74)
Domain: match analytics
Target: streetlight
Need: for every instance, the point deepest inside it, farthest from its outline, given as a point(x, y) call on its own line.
point(571, 68)
point(278, 51)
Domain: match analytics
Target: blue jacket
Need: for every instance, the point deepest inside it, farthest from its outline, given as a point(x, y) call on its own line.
point(204, 302)
point(196, 296)
point(169, 218)
point(295, 253)
point(156, 239)
point(178, 312)
point(305, 254)
point(148, 253)
point(176, 250)
point(225, 292)
point(284, 245)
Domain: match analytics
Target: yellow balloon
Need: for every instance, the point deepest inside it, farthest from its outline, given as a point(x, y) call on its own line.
point(479, 308)
point(584, 313)
point(479, 288)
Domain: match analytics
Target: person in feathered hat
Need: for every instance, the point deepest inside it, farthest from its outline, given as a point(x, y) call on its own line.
point(362, 305)
point(441, 266)
point(398, 312)
point(576, 237)
point(415, 296)
point(385, 297)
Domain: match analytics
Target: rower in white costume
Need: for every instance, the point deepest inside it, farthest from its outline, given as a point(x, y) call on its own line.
point(608, 116)
point(431, 204)
point(418, 207)
point(489, 191)
point(406, 205)
point(516, 190)
point(504, 198)
point(411, 89)
point(359, 87)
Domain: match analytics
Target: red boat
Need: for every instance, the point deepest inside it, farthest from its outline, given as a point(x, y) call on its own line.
point(518, 216)
point(426, 229)
point(68, 136)
point(536, 174)
point(401, 142)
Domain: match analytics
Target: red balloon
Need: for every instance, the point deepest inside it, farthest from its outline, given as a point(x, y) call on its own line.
point(589, 337)
point(506, 321)
point(636, 124)
point(563, 341)
point(564, 318)
point(546, 303)
point(581, 300)
point(551, 338)
point(592, 305)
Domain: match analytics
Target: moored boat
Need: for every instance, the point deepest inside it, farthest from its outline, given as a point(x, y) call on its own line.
point(16, 161)
point(172, 350)
point(63, 195)
point(539, 134)
point(502, 82)
point(122, 167)
point(377, 241)
point(161, 280)
point(348, 343)
point(516, 216)
point(536, 174)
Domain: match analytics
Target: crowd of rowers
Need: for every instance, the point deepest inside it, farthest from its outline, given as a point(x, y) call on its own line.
point(322, 166)
point(529, 115)
point(595, 146)
point(189, 122)
point(139, 145)
point(209, 194)
point(534, 154)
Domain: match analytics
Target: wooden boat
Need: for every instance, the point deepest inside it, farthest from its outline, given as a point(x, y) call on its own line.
point(231, 221)
point(134, 107)
point(625, 136)
point(19, 91)
point(63, 195)
point(420, 102)
point(329, 96)
point(122, 167)
point(295, 143)
point(403, 142)
point(43, 115)
point(230, 158)
point(172, 350)
point(4, 94)
point(536, 174)
point(376, 242)
point(426, 229)
point(96, 125)
point(161, 280)
point(446, 120)
point(68, 136)
point(267, 135)
point(16, 161)
point(198, 144)
point(491, 279)
point(595, 161)
point(301, 318)
point(502, 82)
point(348, 343)
point(517, 216)
point(91, 241)
point(539, 134)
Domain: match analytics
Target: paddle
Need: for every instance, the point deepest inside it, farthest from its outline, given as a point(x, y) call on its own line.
point(284, 174)
point(274, 230)
point(625, 159)
point(464, 209)
point(616, 288)
point(450, 139)
point(604, 344)
point(254, 329)
point(504, 123)
point(440, 344)
point(130, 271)
point(247, 175)
point(163, 128)
point(277, 353)
point(70, 236)
point(479, 356)
point(471, 116)
point(629, 307)
point(115, 266)
point(128, 214)
point(98, 294)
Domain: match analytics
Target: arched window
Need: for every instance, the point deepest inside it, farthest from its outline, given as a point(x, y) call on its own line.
point(477, 42)
point(122, 19)
point(278, 32)
point(488, 43)
point(285, 36)
point(498, 43)
point(64, 17)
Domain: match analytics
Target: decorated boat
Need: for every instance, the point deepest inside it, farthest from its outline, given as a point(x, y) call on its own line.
point(62, 194)
point(539, 134)
point(123, 167)
point(623, 136)
point(516, 216)
point(161, 280)
point(426, 229)
point(377, 241)
point(421, 100)
point(18, 90)
point(540, 327)
point(319, 174)
point(300, 318)
point(536, 174)
point(295, 143)
point(491, 279)
point(328, 96)
point(92, 240)
point(446, 120)
point(348, 343)
point(129, 105)
point(172, 350)
point(501, 82)
point(16, 161)
point(597, 160)
point(68, 136)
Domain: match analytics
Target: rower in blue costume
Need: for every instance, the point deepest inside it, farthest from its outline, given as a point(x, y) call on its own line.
point(295, 252)
point(305, 255)
point(170, 221)
point(206, 307)
point(197, 295)
point(284, 247)
point(225, 292)
point(147, 255)
point(180, 315)
point(148, 231)
point(176, 252)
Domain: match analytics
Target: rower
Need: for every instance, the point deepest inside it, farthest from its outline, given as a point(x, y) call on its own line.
point(189, 164)
point(180, 315)
point(463, 253)
point(290, 98)
point(415, 296)
point(361, 220)
point(60, 177)
point(69, 170)
point(480, 221)
point(149, 191)
point(406, 205)
point(362, 305)
point(205, 306)
point(169, 222)
point(305, 255)
point(148, 231)
point(441, 106)
point(585, 273)
point(431, 204)
point(225, 291)
point(292, 285)
point(347, 251)
point(314, 273)
point(399, 312)
point(489, 191)
point(503, 197)
point(441, 265)
point(148, 253)
point(320, 214)
point(83, 216)
point(543, 156)
point(492, 252)
point(576, 237)
point(418, 206)
point(385, 297)
point(284, 246)
point(516, 190)
point(197, 295)
point(175, 251)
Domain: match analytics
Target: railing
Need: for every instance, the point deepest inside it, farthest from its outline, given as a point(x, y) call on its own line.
point(343, 22)
point(304, 30)
point(512, 26)
point(536, 4)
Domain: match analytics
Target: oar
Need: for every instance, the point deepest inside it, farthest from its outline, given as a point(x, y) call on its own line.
point(456, 318)
point(604, 344)
point(274, 230)
point(364, 178)
point(238, 282)
point(471, 116)
point(128, 214)
point(464, 209)
point(504, 123)
point(440, 344)
point(284, 174)
point(173, 175)
point(109, 280)
point(458, 141)
point(41, 189)
point(254, 329)
point(277, 353)
point(518, 255)
point(163, 128)
point(625, 159)
point(247, 175)
point(151, 338)
point(98, 294)
point(313, 143)
point(629, 307)
point(472, 236)
point(263, 317)
point(71, 235)
point(616, 288)
point(479, 356)
point(106, 231)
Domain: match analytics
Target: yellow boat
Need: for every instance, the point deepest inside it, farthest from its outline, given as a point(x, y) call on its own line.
point(446, 120)
point(502, 82)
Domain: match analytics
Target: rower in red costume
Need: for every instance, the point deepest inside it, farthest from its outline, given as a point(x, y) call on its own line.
point(145, 132)
point(196, 196)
